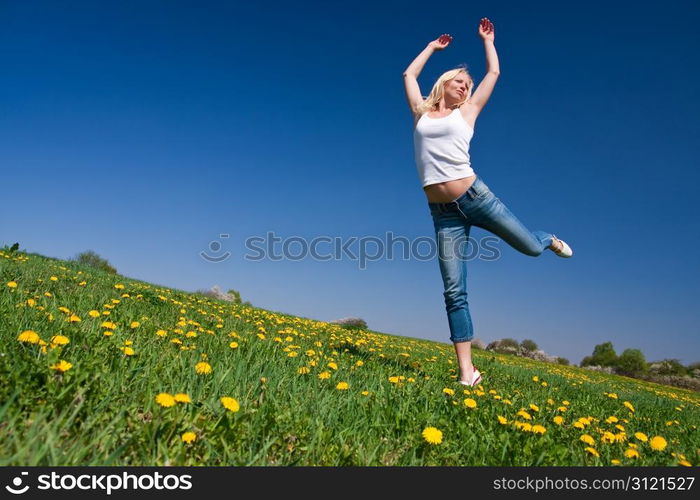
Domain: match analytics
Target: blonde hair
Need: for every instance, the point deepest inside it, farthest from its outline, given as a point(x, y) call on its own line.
point(438, 91)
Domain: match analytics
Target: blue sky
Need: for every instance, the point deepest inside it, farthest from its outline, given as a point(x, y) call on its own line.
point(144, 130)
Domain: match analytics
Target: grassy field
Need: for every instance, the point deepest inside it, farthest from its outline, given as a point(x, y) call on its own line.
point(99, 369)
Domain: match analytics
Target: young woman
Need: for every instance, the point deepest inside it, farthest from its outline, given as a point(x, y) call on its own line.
point(457, 198)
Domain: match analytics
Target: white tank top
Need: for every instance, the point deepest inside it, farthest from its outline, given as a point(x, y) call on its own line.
point(441, 147)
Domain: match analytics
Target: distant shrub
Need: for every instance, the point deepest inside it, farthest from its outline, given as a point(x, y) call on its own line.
point(631, 363)
point(528, 345)
point(90, 258)
point(563, 361)
point(351, 323)
point(668, 367)
point(603, 355)
point(508, 342)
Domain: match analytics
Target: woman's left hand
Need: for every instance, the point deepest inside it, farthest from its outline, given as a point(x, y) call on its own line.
point(486, 31)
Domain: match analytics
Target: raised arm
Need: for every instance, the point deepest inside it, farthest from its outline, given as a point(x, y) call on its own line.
point(410, 75)
point(483, 91)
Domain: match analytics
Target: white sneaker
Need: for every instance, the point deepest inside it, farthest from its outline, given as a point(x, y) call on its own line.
point(565, 250)
point(476, 379)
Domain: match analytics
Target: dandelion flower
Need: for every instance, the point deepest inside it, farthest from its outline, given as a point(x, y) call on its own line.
point(128, 351)
point(59, 340)
point(538, 429)
point(448, 391)
point(233, 345)
point(611, 419)
point(332, 365)
point(524, 414)
point(641, 436)
point(629, 406)
point(12, 284)
point(181, 397)
point(685, 463)
point(365, 393)
point(558, 420)
point(534, 407)
point(94, 314)
point(657, 443)
point(165, 400)
point(303, 370)
point(230, 404)
point(189, 437)
point(631, 453)
point(135, 324)
point(53, 278)
point(202, 368)
point(342, 386)
point(119, 286)
point(592, 451)
point(62, 366)
point(109, 325)
point(502, 420)
point(31, 302)
point(432, 435)
point(324, 375)
point(588, 439)
point(73, 318)
point(161, 333)
point(359, 362)
point(29, 336)
point(470, 403)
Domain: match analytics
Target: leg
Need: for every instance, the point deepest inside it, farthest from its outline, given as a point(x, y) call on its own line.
point(495, 217)
point(452, 240)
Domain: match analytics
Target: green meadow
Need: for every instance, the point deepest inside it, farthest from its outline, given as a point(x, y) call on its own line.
point(100, 369)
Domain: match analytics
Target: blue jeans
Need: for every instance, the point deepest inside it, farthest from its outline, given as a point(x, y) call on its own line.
point(479, 207)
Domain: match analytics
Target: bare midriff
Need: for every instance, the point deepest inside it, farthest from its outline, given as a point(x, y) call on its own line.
point(444, 192)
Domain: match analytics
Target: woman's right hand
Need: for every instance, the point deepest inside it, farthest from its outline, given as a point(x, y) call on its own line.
point(441, 42)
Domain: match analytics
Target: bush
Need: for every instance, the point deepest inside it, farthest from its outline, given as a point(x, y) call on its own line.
point(509, 343)
point(528, 345)
point(631, 363)
point(669, 367)
point(563, 361)
point(351, 323)
point(90, 258)
point(603, 355)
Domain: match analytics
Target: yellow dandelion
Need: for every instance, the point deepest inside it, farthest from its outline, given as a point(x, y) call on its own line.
point(119, 286)
point(109, 325)
point(432, 435)
point(562, 408)
point(538, 429)
point(608, 437)
point(612, 395)
point(657, 443)
point(523, 426)
point(615, 461)
point(359, 362)
point(470, 403)
point(588, 439)
point(53, 278)
point(535, 378)
point(230, 404)
point(12, 284)
point(233, 345)
point(565, 403)
point(592, 451)
point(332, 365)
point(394, 380)
point(611, 420)
point(534, 407)
point(641, 436)
point(181, 397)
point(629, 406)
point(558, 420)
point(448, 391)
point(524, 414)
point(342, 386)
point(631, 453)
point(31, 302)
point(128, 351)
point(685, 463)
point(502, 420)
point(108, 333)
point(189, 437)
point(365, 393)
point(59, 340)
point(261, 336)
point(94, 314)
point(29, 336)
point(73, 318)
point(135, 324)
point(202, 368)
point(165, 400)
point(62, 366)
point(303, 370)
point(324, 375)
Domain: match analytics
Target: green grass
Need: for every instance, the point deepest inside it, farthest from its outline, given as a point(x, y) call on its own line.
point(103, 410)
